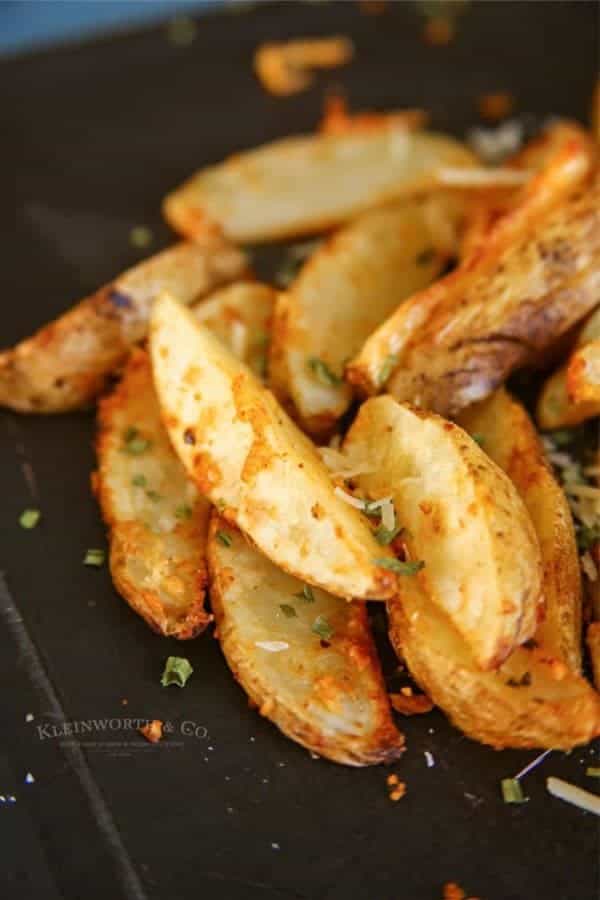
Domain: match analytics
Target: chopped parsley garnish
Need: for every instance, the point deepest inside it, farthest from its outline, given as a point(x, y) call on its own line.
point(177, 671)
point(425, 256)
point(29, 518)
point(154, 496)
point(224, 538)
point(139, 481)
point(387, 368)
point(563, 437)
point(288, 610)
point(523, 681)
point(133, 443)
point(94, 557)
point(592, 772)
point(479, 439)
point(384, 536)
point(322, 627)
point(183, 512)
point(512, 792)
point(306, 594)
point(400, 567)
point(587, 537)
point(322, 372)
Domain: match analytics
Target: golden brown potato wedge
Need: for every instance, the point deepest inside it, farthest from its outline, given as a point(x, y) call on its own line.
point(305, 658)
point(66, 364)
point(248, 458)
point(240, 316)
point(537, 276)
point(555, 408)
point(583, 375)
point(463, 518)
point(300, 185)
point(532, 700)
point(346, 289)
point(158, 522)
point(509, 438)
point(593, 642)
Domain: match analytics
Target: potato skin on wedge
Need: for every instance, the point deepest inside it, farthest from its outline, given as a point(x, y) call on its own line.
point(66, 364)
point(347, 288)
point(301, 185)
point(247, 456)
point(463, 518)
point(158, 522)
point(327, 695)
point(536, 277)
point(509, 438)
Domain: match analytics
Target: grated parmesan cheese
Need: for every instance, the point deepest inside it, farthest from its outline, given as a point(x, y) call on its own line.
point(349, 499)
point(575, 795)
point(388, 515)
point(272, 646)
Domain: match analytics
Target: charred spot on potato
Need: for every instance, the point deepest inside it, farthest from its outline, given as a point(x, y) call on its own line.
point(189, 436)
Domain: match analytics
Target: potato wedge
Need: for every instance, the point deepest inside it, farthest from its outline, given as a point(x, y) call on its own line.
point(157, 520)
point(346, 289)
point(555, 408)
point(300, 185)
point(240, 316)
point(583, 375)
point(464, 519)
point(66, 364)
point(247, 456)
point(532, 700)
point(509, 438)
point(324, 687)
point(537, 276)
point(593, 642)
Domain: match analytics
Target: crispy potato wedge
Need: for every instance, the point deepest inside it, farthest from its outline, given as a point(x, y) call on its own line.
point(509, 438)
point(463, 518)
point(327, 695)
point(65, 365)
point(555, 408)
point(537, 276)
point(593, 642)
point(305, 184)
point(532, 700)
point(248, 457)
point(345, 290)
point(583, 375)
point(157, 520)
point(240, 316)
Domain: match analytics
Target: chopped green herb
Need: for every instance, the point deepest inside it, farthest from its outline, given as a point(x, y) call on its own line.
point(425, 256)
point(587, 537)
point(479, 439)
point(182, 31)
point(183, 512)
point(322, 627)
point(177, 671)
point(523, 681)
point(563, 437)
point(410, 567)
point(139, 481)
point(154, 496)
point(29, 518)
point(94, 557)
point(140, 236)
point(224, 538)
point(387, 368)
point(512, 792)
point(133, 443)
point(306, 594)
point(288, 610)
point(384, 536)
point(592, 772)
point(322, 372)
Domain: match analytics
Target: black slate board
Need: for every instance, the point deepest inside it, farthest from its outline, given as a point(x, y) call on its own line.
point(91, 139)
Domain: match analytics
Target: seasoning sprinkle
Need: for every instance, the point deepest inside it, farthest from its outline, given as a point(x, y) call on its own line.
point(29, 518)
point(306, 594)
point(177, 671)
point(400, 567)
point(288, 610)
point(322, 627)
point(322, 372)
point(94, 557)
point(154, 496)
point(512, 792)
point(183, 512)
point(224, 538)
point(139, 480)
point(133, 443)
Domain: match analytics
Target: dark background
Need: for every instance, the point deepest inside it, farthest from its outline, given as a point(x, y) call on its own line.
point(91, 138)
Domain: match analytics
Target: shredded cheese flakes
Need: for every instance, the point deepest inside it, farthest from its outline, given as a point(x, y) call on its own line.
point(272, 646)
point(342, 466)
point(570, 793)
